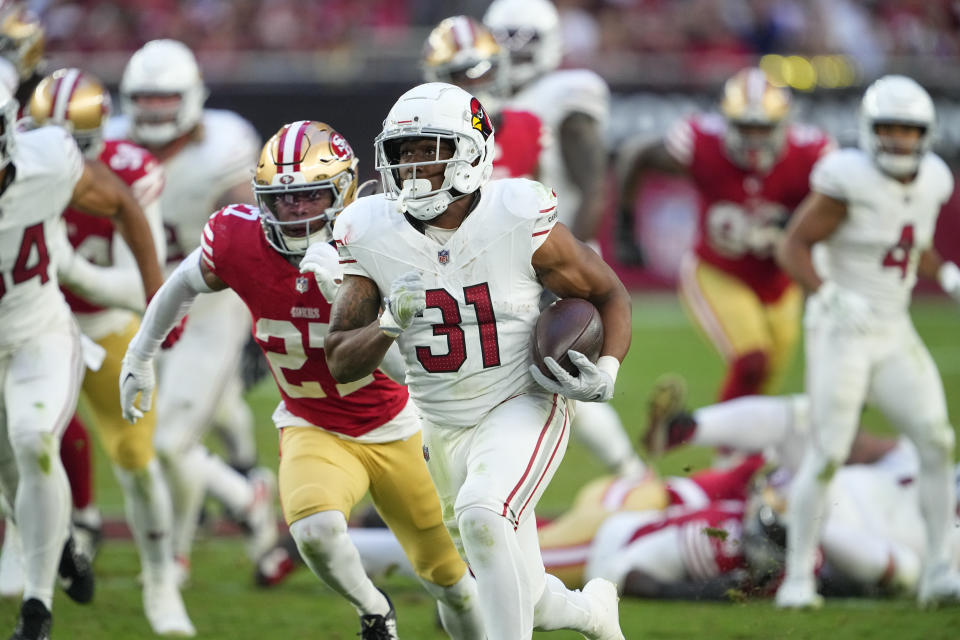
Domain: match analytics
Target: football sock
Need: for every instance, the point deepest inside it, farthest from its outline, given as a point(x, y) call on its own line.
point(751, 423)
point(805, 511)
point(228, 485)
point(186, 475)
point(457, 605)
point(561, 608)
point(149, 514)
point(75, 454)
point(597, 426)
point(380, 552)
point(503, 588)
point(746, 375)
point(326, 548)
point(42, 509)
point(937, 493)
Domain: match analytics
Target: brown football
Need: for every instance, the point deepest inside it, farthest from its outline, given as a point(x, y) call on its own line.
point(567, 324)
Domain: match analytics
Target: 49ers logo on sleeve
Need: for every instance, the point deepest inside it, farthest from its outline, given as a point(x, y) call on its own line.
point(480, 121)
point(340, 147)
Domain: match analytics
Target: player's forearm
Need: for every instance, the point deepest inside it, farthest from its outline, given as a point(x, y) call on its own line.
point(114, 286)
point(355, 353)
point(616, 312)
point(169, 305)
point(135, 229)
point(795, 257)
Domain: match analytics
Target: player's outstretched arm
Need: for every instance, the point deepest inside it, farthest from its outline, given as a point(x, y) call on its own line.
point(100, 192)
point(571, 269)
point(817, 217)
point(585, 160)
point(356, 342)
point(635, 160)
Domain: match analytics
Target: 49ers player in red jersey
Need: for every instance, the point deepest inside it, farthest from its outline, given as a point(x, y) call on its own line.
point(463, 52)
point(337, 440)
point(751, 167)
point(102, 287)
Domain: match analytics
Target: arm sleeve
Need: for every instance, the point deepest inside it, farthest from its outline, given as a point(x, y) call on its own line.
point(169, 305)
point(679, 142)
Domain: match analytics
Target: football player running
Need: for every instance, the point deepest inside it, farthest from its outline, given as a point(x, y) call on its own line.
point(337, 440)
point(533, 107)
point(41, 366)
point(459, 264)
point(79, 102)
point(750, 165)
point(206, 155)
point(873, 211)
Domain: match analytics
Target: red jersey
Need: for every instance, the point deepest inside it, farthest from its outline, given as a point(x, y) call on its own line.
point(290, 321)
point(518, 141)
point(92, 236)
point(727, 191)
point(710, 538)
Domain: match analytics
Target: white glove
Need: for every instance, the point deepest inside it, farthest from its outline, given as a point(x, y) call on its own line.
point(845, 308)
point(595, 383)
point(949, 278)
point(136, 376)
point(323, 261)
point(407, 300)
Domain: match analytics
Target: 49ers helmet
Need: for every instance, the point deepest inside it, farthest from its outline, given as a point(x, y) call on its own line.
point(300, 161)
point(463, 52)
point(78, 102)
point(21, 39)
point(750, 100)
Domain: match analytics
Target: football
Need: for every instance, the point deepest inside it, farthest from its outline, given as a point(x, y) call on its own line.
point(567, 324)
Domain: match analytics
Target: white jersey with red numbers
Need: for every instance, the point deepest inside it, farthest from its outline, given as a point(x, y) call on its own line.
point(291, 318)
point(223, 154)
point(876, 248)
point(554, 97)
point(469, 350)
point(677, 544)
point(47, 166)
point(98, 241)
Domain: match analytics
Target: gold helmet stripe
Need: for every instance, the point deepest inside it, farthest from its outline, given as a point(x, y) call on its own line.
point(289, 147)
point(62, 93)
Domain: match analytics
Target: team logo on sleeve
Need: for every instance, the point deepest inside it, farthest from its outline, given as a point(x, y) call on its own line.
point(480, 121)
point(302, 284)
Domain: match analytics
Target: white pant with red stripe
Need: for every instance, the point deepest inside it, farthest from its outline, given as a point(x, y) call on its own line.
point(504, 463)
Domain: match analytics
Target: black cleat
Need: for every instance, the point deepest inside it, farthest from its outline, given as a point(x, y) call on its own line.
point(76, 574)
point(376, 627)
point(35, 621)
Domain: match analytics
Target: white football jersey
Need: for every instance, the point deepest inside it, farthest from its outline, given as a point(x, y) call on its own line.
point(470, 349)
point(48, 166)
point(553, 97)
point(876, 249)
point(225, 154)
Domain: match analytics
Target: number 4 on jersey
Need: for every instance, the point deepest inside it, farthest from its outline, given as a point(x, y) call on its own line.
point(22, 270)
point(899, 254)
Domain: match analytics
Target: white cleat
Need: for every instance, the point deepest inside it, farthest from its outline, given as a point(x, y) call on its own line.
point(798, 593)
point(11, 563)
point(261, 519)
point(165, 611)
point(604, 601)
point(937, 586)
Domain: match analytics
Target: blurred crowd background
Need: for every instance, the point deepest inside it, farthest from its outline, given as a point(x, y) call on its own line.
point(346, 61)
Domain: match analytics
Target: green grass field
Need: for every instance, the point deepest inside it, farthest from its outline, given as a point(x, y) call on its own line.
point(224, 604)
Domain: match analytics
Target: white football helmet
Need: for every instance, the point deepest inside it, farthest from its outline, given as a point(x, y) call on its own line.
point(443, 112)
point(896, 99)
point(530, 31)
point(8, 124)
point(162, 68)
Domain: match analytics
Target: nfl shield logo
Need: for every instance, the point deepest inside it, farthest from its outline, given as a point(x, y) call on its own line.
point(302, 284)
point(426, 453)
point(443, 256)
